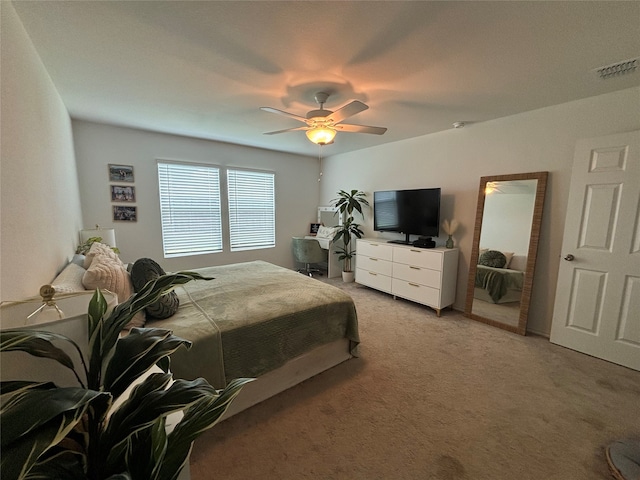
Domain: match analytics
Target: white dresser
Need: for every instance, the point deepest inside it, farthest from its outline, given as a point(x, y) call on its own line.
point(424, 275)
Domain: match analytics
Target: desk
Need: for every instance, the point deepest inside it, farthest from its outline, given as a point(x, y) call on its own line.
point(334, 267)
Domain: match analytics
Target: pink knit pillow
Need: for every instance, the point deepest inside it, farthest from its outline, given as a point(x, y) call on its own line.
point(107, 272)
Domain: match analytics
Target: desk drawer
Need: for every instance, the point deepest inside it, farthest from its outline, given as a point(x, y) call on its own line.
point(423, 276)
point(373, 280)
point(381, 250)
point(374, 264)
point(418, 257)
point(416, 292)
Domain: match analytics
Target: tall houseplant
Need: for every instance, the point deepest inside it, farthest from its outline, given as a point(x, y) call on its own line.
point(77, 432)
point(346, 203)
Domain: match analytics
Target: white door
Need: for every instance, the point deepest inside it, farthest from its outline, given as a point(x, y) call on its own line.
point(597, 307)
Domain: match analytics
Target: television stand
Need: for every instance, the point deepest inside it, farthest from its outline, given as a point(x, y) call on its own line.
point(406, 240)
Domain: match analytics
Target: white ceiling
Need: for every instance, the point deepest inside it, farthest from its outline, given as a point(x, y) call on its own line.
point(203, 69)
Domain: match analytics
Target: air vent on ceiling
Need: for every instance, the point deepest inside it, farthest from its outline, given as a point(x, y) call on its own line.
point(617, 69)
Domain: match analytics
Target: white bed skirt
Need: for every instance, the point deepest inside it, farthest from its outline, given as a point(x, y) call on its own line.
point(510, 296)
point(293, 372)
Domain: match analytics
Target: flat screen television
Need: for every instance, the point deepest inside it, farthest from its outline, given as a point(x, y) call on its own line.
point(412, 212)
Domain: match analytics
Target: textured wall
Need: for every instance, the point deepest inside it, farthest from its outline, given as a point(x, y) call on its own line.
point(40, 202)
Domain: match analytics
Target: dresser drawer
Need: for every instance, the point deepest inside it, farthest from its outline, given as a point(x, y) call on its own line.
point(375, 250)
point(374, 264)
point(416, 292)
point(373, 280)
point(411, 273)
point(418, 257)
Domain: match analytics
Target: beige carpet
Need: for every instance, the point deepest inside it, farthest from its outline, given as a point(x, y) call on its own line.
point(432, 398)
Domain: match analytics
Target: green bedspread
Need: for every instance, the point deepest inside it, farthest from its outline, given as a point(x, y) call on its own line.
point(253, 318)
point(496, 281)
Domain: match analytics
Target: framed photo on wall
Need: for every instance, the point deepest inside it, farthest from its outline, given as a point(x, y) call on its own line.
point(123, 193)
point(121, 173)
point(125, 214)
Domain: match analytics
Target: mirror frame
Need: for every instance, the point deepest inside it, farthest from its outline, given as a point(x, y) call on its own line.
point(536, 223)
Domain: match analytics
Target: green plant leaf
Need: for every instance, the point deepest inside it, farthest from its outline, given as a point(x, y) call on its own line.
point(97, 309)
point(103, 339)
point(201, 416)
point(136, 353)
point(34, 420)
point(148, 402)
point(38, 344)
point(115, 441)
point(30, 408)
point(64, 465)
point(146, 451)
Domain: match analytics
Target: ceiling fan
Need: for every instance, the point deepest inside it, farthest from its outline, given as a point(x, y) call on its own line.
point(322, 125)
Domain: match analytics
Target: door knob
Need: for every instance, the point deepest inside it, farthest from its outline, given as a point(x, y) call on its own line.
point(569, 257)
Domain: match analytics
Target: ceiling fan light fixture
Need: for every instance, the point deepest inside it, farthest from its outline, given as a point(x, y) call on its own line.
point(321, 135)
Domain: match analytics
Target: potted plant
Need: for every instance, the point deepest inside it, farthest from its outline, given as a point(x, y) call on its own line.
point(77, 432)
point(346, 203)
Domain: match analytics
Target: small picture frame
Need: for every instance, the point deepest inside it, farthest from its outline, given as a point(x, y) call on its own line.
point(313, 228)
point(121, 173)
point(123, 213)
point(123, 193)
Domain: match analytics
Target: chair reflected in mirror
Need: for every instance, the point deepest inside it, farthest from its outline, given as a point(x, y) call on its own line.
point(308, 252)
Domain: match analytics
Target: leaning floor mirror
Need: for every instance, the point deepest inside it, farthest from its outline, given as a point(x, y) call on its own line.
point(505, 245)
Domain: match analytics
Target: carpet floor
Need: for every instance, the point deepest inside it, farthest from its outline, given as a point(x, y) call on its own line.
point(432, 398)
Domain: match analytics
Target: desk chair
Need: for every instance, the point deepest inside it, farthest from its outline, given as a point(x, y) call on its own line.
point(307, 251)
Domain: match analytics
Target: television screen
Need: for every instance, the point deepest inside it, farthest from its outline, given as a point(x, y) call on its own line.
point(412, 212)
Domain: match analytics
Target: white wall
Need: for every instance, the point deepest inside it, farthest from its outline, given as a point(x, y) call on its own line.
point(506, 222)
point(40, 202)
point(540, 140)
point(98, 145)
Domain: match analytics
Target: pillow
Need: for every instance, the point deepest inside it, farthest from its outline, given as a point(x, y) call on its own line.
point(98, 248)
point(69, 280)
point(143, 271)
point(507, 255)
point(492, 258)
point(108, 273)
point(78, 259)
point(518, 262)
point(326, 232)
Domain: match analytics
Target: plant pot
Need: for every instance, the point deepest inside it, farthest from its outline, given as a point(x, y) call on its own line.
point(348, 277)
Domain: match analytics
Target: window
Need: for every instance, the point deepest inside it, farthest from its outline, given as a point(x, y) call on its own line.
point(190, 209)
point(252, 210)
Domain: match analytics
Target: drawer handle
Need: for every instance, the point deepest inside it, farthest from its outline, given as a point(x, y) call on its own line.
point(374, 274)
point(415, 268)
point(373, 259)
point(417, 251)
point(413, 284)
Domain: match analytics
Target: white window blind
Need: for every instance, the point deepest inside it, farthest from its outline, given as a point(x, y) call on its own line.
point(252, 209)
point(190, 209)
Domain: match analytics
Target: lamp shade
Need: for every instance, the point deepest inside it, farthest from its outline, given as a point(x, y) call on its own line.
point(321, 135)
point(108, 235)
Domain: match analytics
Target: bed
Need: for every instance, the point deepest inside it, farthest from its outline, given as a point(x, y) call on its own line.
point(500, 282)
point(259, 320)
point(498, 285)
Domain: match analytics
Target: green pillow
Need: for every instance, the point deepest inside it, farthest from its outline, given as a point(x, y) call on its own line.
point(492, 258)
point(143, 271)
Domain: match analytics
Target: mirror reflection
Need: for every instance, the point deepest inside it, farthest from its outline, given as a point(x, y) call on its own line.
point(505, 245)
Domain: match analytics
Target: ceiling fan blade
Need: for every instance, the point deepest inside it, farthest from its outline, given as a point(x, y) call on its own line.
point(348, 110)
point(286, 114)
point(345, 127)
point(286, 130)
